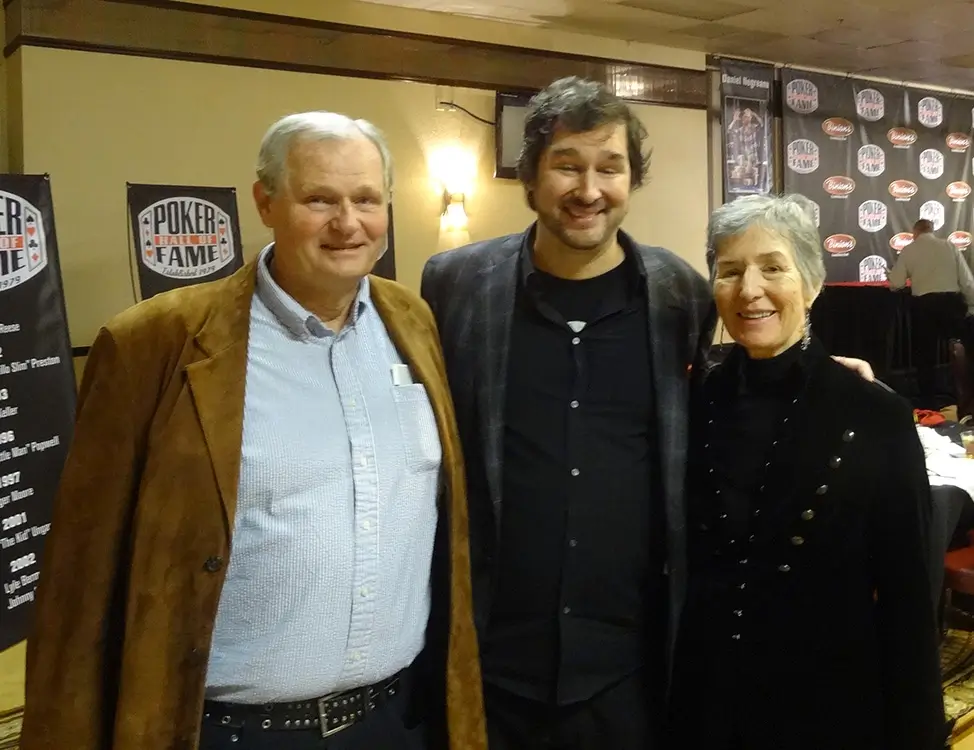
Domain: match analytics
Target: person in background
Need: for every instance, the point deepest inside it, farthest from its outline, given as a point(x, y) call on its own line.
point(942, 291)
point(242, 555)
point(809, 609)
point(569, 349)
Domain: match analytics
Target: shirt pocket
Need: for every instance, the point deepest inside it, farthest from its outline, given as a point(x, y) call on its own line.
point(420, 438)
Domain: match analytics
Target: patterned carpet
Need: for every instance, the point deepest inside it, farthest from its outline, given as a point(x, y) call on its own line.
point(957, 666)
point(10, 728)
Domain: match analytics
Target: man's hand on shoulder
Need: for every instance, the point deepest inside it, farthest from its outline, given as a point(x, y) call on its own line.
point(859, 366)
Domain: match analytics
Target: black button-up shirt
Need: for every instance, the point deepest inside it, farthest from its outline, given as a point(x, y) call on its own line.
point(580, 556)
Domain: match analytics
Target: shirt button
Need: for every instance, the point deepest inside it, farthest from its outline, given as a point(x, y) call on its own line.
point(808, 515)
point(574, 404)
point(822, 490)
point(363, 461)
point(575, 472)
point(784, 568)
point(567, 610)
point(736, 636)
point(364, 591)
point(352, 403)
point(576, 341)
point(573, 543)
point(797, 541)
point(366, 526)
point(739, 612)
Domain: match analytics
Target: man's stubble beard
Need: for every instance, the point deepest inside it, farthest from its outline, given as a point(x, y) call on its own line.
point(565, 235)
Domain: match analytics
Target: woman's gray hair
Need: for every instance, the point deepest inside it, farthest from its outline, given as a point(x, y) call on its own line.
point(314, 126)
point(791, 217)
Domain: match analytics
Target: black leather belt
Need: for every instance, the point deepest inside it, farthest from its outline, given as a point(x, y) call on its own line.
point(331, 713)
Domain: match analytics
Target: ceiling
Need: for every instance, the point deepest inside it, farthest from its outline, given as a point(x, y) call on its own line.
point(906, 40)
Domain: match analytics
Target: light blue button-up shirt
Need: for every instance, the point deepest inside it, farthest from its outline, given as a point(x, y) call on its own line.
point(328, 586)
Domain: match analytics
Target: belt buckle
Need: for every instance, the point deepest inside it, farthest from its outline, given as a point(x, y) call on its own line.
point(352, 707)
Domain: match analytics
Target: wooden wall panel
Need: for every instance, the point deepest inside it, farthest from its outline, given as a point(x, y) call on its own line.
point(207, 34)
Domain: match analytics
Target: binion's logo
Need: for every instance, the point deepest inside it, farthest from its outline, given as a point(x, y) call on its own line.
point(185, 238)
point(23, 247)
point(959, 239)
point(838, 128)
point(899, 242)
point(903, 190)
point(839, 244)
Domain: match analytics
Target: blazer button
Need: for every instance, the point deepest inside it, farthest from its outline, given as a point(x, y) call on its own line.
point(848, 436)
point(784, 568)
point(213, 564)
point(808, 515)
point(835, 462)
point(822, 490)
point(797, 541)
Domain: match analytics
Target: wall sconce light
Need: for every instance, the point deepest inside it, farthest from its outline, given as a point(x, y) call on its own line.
point(454, 217)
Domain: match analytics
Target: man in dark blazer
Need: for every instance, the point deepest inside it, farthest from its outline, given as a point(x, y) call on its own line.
point(569, 350)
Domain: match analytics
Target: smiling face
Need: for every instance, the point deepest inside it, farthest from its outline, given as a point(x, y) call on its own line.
point(329, 214)
point(581, 193)
point(759, 292)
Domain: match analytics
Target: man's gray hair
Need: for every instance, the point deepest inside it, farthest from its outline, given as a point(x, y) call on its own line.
point(314, 126)
point(791, 217)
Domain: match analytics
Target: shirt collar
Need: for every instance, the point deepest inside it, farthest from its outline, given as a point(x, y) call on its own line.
point(290, 313)
point(635, 271)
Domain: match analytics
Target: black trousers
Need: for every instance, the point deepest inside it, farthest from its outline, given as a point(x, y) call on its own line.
point(935, 317)
point(392, 726)
point(625, 716)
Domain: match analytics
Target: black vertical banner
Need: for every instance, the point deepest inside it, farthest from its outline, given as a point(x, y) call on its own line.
point(183, 235)
point(875, 158)
point(37, 390)
point(386, 265)
point(746, 130)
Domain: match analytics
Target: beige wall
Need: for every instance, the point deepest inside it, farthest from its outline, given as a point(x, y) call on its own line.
point(95, 121)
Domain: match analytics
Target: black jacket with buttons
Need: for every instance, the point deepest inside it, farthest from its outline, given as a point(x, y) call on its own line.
point(810, 621)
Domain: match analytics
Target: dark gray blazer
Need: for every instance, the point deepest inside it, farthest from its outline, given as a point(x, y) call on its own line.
point(471, 292)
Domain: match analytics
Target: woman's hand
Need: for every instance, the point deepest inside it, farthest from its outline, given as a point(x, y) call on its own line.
point(857, 365)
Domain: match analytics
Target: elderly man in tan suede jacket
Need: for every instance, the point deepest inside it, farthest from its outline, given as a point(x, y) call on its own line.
point(264, 504)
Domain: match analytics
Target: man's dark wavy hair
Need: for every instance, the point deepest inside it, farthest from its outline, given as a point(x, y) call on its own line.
point(577, 105)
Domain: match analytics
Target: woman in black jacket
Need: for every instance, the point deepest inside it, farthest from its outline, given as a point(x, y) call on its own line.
point(809, 622)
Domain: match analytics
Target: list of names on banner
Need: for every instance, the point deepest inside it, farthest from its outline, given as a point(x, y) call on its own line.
point(21, 439)
point(37, 391)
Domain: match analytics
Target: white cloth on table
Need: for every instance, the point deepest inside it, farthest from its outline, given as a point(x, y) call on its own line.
point(946, 461)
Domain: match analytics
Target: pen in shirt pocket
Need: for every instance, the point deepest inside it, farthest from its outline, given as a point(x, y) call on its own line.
point(401, 375)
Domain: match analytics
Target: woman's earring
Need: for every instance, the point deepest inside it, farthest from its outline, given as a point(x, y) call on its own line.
point(807, 335)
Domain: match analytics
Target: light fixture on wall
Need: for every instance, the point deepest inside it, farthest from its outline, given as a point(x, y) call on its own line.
point(454, 216)
point(454, 172)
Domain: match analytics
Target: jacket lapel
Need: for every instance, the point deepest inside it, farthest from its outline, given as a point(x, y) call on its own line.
point(218, 382)
point(493, 312)
point(668, 343)
point(402, 325)
point(670, 356)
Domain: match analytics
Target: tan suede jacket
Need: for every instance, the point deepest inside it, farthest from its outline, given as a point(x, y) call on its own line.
point(137, 554)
